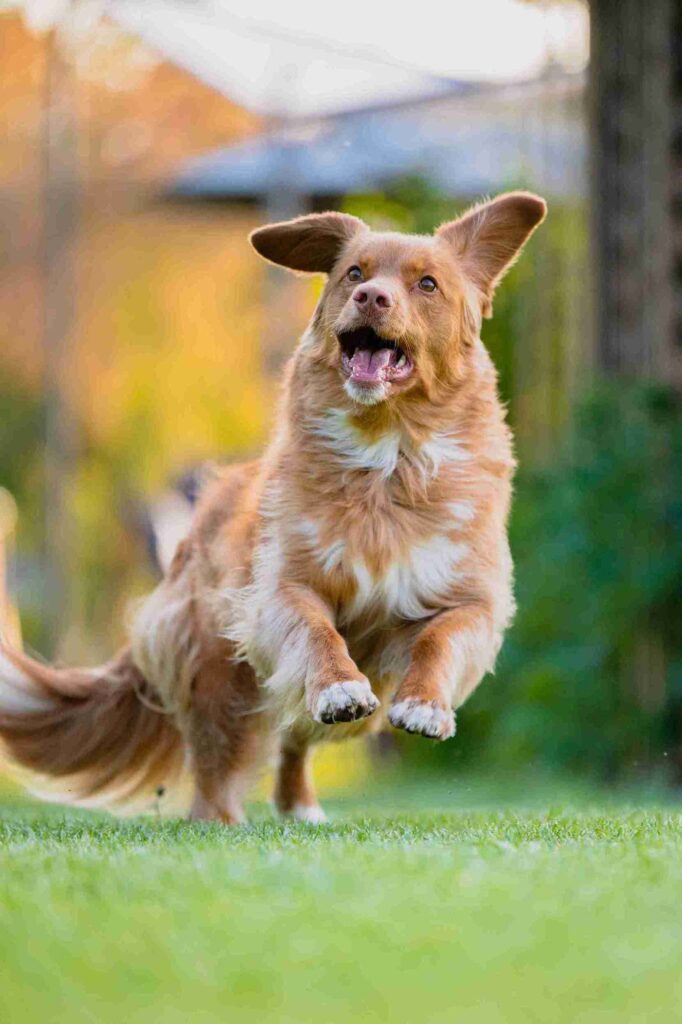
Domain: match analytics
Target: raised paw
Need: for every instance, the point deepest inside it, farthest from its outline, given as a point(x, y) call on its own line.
point(345, 702)
point(425, 717)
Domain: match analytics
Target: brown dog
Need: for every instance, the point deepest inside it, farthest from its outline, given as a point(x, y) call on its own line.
point(369, 542)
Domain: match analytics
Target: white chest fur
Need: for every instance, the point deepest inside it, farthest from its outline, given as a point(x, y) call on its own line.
point(419, 567)
point(412, 584)
point(340, 438)
point(414, 577)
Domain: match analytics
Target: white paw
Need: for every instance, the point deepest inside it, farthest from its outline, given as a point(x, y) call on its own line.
point(313, 814)
point(425, 717)
point(345, 702)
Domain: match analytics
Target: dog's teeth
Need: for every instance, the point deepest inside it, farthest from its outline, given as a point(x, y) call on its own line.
point(401, 362)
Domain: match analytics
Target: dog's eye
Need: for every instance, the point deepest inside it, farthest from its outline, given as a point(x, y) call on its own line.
point(354, 274)
point(428, 284)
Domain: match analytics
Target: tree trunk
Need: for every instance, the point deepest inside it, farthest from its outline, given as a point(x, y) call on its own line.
point(635, 115)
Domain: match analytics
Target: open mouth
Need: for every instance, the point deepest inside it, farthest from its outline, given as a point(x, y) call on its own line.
point(368, 359)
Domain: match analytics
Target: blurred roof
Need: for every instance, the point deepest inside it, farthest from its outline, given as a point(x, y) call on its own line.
point(473, 138)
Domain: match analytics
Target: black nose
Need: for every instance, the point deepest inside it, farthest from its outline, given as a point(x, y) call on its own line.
point(372, 297)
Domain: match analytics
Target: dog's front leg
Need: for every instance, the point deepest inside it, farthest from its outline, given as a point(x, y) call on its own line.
point(305, 647)
point(449, 658)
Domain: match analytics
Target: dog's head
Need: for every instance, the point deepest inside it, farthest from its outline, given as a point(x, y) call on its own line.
point(399, 311)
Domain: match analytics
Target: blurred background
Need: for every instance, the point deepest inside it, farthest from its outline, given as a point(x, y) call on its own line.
point(140, 335)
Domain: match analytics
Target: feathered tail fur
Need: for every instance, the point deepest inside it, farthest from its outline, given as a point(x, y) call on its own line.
point(95, 731)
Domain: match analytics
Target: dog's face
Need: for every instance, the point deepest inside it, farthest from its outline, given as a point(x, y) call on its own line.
point(398, 311)
point(394, 306)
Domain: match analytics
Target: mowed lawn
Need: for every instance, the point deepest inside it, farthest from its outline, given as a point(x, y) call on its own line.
point(428, 905)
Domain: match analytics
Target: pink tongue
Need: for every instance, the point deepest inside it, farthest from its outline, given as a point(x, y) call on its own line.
point(367, 365)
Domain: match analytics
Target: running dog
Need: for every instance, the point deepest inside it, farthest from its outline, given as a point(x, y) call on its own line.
point(358, 572)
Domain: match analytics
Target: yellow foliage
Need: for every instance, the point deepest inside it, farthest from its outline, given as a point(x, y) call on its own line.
point(167, 360)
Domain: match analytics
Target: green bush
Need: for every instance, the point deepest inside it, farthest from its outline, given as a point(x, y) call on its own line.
point(597, 542)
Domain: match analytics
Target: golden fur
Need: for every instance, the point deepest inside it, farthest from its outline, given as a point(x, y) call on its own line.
point(359, 570)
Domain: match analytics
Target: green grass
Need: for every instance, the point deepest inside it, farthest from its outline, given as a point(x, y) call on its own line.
point(422, 905)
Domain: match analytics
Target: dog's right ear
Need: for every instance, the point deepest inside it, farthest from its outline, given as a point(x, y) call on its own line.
point(311, 243)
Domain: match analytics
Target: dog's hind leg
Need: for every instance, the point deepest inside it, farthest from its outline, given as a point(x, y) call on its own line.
point(229, 738)
point(294, 790)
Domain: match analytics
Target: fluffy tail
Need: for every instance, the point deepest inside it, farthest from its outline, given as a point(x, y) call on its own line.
point(95, 732)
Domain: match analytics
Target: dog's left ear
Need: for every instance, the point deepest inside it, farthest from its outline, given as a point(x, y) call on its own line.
point(488, 238)
point(311, 243)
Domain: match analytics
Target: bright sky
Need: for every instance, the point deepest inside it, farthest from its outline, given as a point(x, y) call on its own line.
point(310, 56)
point(458, 38)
